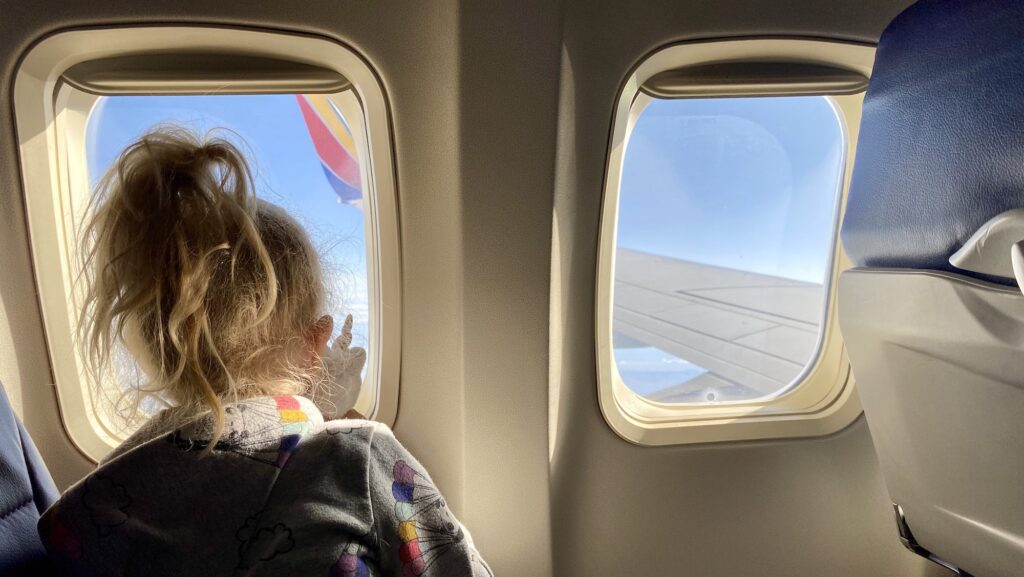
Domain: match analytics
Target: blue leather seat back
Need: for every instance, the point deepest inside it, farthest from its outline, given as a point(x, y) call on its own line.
point(26, 490)
point(937, 356)
point(941, 146)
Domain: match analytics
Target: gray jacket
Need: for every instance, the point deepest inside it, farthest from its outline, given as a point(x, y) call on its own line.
point(282, 493)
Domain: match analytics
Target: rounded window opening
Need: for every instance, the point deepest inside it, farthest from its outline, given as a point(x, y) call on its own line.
point(724, 241)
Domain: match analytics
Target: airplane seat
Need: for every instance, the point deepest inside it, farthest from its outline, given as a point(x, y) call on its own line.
point(26, 490)
point(932, 314)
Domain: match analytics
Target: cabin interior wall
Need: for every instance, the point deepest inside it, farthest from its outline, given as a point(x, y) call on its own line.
point(806, 507)
point(508, 108)
point(501, 111)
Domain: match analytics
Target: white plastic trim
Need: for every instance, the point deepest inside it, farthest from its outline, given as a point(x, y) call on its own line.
point(823, 400)
point(51, 128)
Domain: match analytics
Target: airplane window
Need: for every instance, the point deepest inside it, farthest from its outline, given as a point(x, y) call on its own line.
point(304, 158)
point(726, 225)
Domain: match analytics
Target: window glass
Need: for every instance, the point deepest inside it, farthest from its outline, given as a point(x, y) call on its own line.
point(726, 223)
point(304, 158)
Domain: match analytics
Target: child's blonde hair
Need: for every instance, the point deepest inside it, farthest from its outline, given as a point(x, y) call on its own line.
point(219, 290)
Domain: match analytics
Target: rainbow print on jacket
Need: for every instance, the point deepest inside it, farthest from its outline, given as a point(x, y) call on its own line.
point(404, 491)
point(426, 527)
point(295, 423)
point(350, 564)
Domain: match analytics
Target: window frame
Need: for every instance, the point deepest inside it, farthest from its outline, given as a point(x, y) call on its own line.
point(51, 118)
point(822, 399)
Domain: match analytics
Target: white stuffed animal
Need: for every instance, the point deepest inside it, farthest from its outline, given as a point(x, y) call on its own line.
point(344, 366)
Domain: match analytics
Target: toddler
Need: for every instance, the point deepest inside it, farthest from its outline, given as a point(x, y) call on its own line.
point(219, 298)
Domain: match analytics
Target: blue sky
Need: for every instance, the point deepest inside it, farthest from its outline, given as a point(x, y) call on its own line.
point(287, 170)
point(744, 183)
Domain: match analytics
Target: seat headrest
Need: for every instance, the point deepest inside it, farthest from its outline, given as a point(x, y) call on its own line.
point(941, 147)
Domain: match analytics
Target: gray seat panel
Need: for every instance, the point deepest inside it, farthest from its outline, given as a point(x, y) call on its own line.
point(942, 359)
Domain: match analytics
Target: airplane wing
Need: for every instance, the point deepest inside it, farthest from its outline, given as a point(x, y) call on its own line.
point(747, 334)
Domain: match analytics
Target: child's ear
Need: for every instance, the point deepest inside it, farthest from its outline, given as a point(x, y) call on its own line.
point(321, 333)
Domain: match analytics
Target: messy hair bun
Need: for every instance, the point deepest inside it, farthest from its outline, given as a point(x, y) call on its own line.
point(212, 289)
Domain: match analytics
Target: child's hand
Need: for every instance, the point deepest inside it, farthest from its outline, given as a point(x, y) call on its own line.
point(344, 366)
